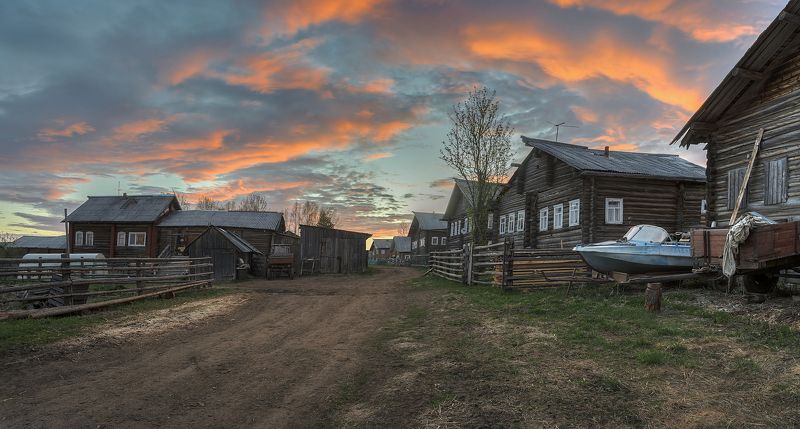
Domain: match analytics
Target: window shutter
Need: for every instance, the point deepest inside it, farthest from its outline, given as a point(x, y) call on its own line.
point(775, 189)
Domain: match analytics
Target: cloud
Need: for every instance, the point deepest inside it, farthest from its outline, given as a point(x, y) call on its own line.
point(75, 129)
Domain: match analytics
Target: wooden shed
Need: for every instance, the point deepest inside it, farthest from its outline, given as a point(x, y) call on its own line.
point(230, 254)
point(329, 250)
point(762, 92)
point(38, 244)
point(564, 194)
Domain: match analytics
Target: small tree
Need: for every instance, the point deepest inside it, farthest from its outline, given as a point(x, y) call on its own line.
point(309, 213)
point(402, 228)
point(327, 218)
point(254, 203)
point(478, 147)
point(206, 203)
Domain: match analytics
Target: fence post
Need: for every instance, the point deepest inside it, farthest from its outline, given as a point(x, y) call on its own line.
point(139, 284)
point(508, 264)
point(470, 248)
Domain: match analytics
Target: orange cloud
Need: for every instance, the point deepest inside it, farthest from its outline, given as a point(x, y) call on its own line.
point(304, 13)
point(377, 156)
point(239, 188)
point(78, 128)
point(131, 131)
point(700, 19)
point(186, 66)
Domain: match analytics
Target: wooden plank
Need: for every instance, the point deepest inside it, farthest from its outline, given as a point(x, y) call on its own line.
point(747, 173)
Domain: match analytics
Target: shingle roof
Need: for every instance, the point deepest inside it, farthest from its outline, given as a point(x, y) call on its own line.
point(621, 163)
point(775, 42)
point(430, 221)
point(401, 244)
point(121, 209)
point(225, 219)
point(33, 241)
point(382, 243)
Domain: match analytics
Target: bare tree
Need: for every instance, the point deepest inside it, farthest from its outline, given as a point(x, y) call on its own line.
point(229, 205)
point(183, 200)
point(478, 147)
point(309, 213)
point(206, 203)
point(254, 203)
point(328, 218)
point(402, 228)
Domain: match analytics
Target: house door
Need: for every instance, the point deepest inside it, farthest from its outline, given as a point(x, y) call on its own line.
point(224, 261)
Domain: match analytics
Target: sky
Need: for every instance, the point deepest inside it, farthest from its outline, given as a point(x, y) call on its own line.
point(340, 102)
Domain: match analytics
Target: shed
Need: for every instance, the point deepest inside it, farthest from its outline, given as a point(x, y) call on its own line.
point(39, 244)
point(328, 250)
point(380, 249)
point(228, 252)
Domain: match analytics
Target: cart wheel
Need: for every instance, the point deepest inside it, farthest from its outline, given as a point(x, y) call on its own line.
point(758, 283)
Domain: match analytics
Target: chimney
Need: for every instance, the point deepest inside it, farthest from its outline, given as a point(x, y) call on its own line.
point(606, 152)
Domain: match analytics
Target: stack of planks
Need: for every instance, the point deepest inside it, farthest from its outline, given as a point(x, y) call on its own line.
point(545, 268)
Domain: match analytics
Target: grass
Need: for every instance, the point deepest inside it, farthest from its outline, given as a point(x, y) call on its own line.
point(476, 356)
point(30, 333)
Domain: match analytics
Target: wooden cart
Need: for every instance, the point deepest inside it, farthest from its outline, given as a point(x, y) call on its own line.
point(280, 261)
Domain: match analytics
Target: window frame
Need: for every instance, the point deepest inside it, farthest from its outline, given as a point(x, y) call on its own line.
point(422, 242)
point(442, 241)
point(78, 238)
point(621, 211)
point(490, 222)
point(520, 221)
point(512, 222)
point(124, 237)
point(577, 220)
point(558, 219)
point(434, 241)
point(544, 212)
point(88, 238)
point(502, 224)
point(131, 240)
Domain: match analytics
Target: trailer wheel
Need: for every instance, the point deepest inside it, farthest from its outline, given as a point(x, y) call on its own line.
point(758, 283)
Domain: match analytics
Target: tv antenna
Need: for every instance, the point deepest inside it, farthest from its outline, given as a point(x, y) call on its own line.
point(559, 125)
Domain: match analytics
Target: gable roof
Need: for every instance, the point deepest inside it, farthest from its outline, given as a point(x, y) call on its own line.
point(39, 242)
point(343, 233)
point(429, 221)
point(401, 244)
point(239, 242)
point(123, 209)
point(778, 40)
point(226, 219)
point(620, 163)
point(461, 191)
point(382, 243)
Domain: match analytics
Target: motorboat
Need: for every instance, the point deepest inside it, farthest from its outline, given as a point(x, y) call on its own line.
point(643, 249)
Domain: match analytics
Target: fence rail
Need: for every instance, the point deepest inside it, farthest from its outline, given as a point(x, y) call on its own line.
point(53, 286)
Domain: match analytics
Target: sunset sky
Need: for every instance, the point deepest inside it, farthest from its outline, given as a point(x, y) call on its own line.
point(341, 102)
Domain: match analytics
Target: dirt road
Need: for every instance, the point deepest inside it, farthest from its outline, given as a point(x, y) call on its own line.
point(274, 361)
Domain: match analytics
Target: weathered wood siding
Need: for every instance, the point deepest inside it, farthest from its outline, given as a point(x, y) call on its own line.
point(459, 239)
point(224, 254)
point(105, 239)
point(335, 250)
point(428, 235)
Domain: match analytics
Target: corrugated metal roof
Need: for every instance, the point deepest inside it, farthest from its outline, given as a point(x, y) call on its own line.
point(759, 58)
point(121, 209)
point(382, 243)
point(622, 163)
point(226, 219)
point(401, 244)
point(430, 221)
point(39, 242)
point(240, 243)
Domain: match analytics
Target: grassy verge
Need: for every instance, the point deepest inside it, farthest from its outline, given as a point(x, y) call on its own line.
point(481, 357)
point(28, 333)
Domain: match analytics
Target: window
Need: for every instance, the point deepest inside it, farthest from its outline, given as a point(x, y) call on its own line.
point(775, 191)
point(413, 245)
point(407, 257)
point(614, 210)
point(464, 225)
point(558, 216)
point(422, 242)
point(443, 241)
point(502, 224)
point(137, 239)
point(735, 180)
point(89, 238)
point(490, 222)
point(703, 206)
point(510, 226)
point(383, 251)
point(435, 241)
point(452, 228)
point(79, 238)
point(521, 221)
point(543, 215)
point(121, 239)
point(574, 212)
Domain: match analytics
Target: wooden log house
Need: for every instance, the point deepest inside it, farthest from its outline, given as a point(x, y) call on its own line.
point(428, 232)
point(761, 92)
point(401, 248)
point(563, 194)
point(457, 216)
point(380, 249)
point(328, 250)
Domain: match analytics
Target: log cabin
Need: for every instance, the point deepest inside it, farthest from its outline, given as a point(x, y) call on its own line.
point(761, 92)
point(457, 216)
point(380, 249)
point(401, 248)
point(428, 232)
point(564, 194)
point(332, 251)
point(119, 226)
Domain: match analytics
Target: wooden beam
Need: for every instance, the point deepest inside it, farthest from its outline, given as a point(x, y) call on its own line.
point(703, 126)
point(789, 18)
point(516, 164)
point(748, 74)
point(746, 179)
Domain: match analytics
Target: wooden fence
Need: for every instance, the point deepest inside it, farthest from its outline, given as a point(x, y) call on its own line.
point(50, 287)
point(503, 266)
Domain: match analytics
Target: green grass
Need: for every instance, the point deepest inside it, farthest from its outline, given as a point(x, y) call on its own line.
point(28, 333)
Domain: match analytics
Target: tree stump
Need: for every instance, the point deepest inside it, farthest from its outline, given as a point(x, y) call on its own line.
point(652, 298)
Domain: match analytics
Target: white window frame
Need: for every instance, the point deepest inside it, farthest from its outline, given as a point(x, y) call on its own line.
point(382, 251)
point(132, 239)
point(703, 206)
point(422, 242)
point(575, 212)
point(434, 241)
point(502, 224)
point(88, 238)
point(78, 238)
point(490, 222)
point(521, 221)
point(443, 241)
point(614, 221)
point(544, 219)
point(121, 239)
point(511, 223)
point(414, 245)
point(558, 216)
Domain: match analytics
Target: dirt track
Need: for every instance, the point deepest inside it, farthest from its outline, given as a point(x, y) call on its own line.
point(274, 361)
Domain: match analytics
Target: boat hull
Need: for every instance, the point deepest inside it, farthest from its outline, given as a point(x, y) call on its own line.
point(637, 259)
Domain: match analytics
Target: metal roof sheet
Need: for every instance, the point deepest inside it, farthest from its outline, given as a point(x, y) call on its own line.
point(240, 243)
point(225, 219)
point(122, 209)
point(401, 244)
point(430, 221)
point(382, 243)
point(461, 190)
point(40, 242)
point(621, 163)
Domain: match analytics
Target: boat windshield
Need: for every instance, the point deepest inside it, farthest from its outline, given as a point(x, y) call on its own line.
point(647, 234)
